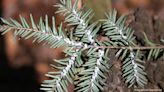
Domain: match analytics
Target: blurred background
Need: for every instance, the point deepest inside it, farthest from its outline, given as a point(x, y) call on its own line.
point(23, 64)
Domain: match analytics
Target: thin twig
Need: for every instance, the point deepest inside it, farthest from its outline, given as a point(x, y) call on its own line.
point(109, 47)
point(127, 47)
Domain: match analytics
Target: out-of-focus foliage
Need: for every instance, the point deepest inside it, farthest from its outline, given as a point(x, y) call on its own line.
point(98, 7)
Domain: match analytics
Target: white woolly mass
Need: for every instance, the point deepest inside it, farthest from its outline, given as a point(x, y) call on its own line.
point(67, 68)
point(89, 36)
point(68, 41)
point(83, 25)
point(122, 35)
point(119, 30)
point(98, 63)
point(70, 63)
point(132, 57)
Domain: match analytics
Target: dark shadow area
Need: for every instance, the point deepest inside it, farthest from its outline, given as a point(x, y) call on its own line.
point(15, 80)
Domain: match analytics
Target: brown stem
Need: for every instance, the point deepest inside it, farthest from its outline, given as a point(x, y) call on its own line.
point(109, 47)
point(129, 47)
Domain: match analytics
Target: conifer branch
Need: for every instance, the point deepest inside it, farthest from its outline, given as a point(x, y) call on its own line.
point(85, 32)
point(123, 36)
point(127, 47)
point(76, 17)
point(59, 80)
point(87, 57)
point(40, 33)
